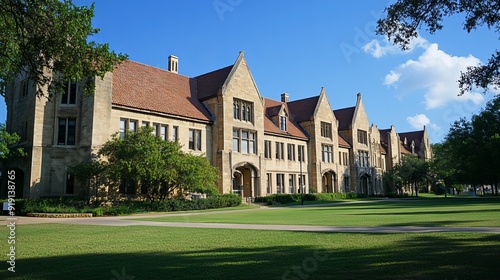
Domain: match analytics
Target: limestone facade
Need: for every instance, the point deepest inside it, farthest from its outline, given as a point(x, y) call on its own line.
point(260, 146)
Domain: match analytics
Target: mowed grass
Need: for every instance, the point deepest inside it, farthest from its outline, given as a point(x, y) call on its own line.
point(61, 251)
point(467, 212)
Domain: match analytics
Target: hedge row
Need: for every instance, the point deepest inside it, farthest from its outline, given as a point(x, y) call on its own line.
point(62, 205)
point(295, 197)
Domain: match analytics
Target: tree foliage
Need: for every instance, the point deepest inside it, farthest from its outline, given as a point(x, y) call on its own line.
point(158, 167)
point(7, 141)
point(470, 153)
point(405, 17)
point(40, 38)
point(414, 172)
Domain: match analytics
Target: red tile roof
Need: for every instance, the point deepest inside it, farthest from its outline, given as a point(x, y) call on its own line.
point(293, 129)
point(344, 116)
point(343, 143)
point(145, 87)
point(404, 150)
point(210, 83)
point(383, 150)
point(303, 109)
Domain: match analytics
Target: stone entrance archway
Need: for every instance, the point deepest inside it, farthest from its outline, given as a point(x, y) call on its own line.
point(245, 180)
point(329, 182)
point(364, 182)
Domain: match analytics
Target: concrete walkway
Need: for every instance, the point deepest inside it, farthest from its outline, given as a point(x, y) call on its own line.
point(126, 221)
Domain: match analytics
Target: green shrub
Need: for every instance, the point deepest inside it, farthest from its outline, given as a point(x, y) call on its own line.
point(97, 212)
point(296, 197)
point(48, 205)
point(63, 205)
point(392, 194)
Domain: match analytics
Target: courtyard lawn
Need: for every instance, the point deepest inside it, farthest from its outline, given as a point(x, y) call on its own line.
point(61, 251)
point(468, 212)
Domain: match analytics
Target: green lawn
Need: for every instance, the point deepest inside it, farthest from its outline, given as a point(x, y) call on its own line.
point(56, 251)
point(422, 212)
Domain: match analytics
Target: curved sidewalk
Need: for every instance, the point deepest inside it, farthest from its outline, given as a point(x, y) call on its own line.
point(125, 221)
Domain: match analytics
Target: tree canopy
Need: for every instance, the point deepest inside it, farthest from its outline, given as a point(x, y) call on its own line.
point(405, 17)
point(470, 153)
point(148, 164)
point(7, 140)
point(47, 38)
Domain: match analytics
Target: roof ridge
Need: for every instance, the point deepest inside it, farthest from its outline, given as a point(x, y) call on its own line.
point(195, 77)
point(344, 108)
point(303, 99)
point(157, 68)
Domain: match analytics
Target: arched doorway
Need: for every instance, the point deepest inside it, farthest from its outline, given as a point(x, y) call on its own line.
point(364, 181)
point(245, 181)
point(329, 182)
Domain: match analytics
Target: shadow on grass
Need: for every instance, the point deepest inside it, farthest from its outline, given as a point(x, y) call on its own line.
point(430, 224)
point(428, 212)
point(416, 257)
point(400, 203)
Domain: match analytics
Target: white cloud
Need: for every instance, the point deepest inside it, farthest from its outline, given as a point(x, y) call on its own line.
point(435, 72)
point(418, 122)
point(378, 49)
point(391, 78)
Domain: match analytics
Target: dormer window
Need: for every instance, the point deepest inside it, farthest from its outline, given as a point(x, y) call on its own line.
point(242, 110)
point(283, 121)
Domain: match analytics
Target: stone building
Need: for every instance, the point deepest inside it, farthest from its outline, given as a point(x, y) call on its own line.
point(260, 146)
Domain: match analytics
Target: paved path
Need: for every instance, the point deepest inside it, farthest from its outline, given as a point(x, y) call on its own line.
point(126, 221)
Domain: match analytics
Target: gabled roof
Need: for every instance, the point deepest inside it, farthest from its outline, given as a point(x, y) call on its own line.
point(383, 135)
point(404, 150)
point(344, 116)
point(293, 129)
point(383, 150)
point(209, 84)
point(415, 136)
point(149, 88)
point(343, 143)
point(274, 110)
point(303, 109)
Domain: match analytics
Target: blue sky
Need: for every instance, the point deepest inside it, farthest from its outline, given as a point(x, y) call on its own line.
point(298, 47)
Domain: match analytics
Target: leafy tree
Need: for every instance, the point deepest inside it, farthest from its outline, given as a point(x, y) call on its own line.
point(471, 149)
point(393, 182)
point(7, 140)
point(197, 175)
point(443, 167)
point(159, 167)
point(92, 174)
point(42, 37)
point(405, 17)
point(413, 172)
point(486, 135)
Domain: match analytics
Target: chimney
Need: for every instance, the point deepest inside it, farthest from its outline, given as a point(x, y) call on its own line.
point(284, 97)
point(173, 64)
